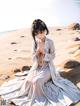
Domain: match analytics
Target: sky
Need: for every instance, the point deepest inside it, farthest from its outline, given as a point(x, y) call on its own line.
point(17, 14)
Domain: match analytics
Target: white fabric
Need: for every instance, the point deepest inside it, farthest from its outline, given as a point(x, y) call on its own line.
point(36, 88)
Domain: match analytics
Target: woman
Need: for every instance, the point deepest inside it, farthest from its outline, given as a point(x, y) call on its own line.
point(43, 86)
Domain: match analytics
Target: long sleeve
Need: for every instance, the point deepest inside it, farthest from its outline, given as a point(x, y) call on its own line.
point(51, 55)
point(34, 56)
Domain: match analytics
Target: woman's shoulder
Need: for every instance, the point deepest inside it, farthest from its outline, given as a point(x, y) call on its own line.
point(49, 39)
point(51, 42)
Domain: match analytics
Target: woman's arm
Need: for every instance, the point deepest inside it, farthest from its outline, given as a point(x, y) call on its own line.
point(51, 55)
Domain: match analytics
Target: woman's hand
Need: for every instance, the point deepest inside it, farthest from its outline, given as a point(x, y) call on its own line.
point(40, 51)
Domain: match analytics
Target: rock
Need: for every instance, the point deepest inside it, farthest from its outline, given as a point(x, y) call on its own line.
point(71, 64)
point(22, 36)
point(58, 29)
point(77, 39)
point(12, 103)
point(4, 77)
point(17, 70)
point(74, 26)
point(73, 74)
point(26, 68)
point(15, 50)
point(9, 58)
point(13, 43)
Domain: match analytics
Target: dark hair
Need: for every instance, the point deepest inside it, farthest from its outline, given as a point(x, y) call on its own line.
point(38, 26)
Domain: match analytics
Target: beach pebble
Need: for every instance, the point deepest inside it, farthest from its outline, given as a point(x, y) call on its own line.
point(71, 64)
point(13, 43)
point(9, 58)
point(77, 39)
point(22, 36)
point(74, 26)
point(4, 77)
point(26, 68)
point(17, 70)
point(15, 50)
point(58, 29)
point(12, 103)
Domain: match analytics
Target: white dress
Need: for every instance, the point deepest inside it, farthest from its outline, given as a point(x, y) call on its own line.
point(43, 86)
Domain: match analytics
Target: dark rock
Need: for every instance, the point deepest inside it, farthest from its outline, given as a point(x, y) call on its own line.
point(71, 64)
point(74, 26)
point(9, 58)
point(13, 43)
point(58, 29)
point(4, 77)
point(26, 68)
point(77, 39)
point(73, 74)
point(17, 70)
point(12, 103)
point(15, 50)
point(22, 36)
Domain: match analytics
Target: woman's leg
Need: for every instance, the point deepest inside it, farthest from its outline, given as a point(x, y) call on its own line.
point(27, 86)
point(39, 81)
point(34, 82)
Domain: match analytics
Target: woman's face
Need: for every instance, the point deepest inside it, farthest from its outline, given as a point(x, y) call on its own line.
point(41, 35)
